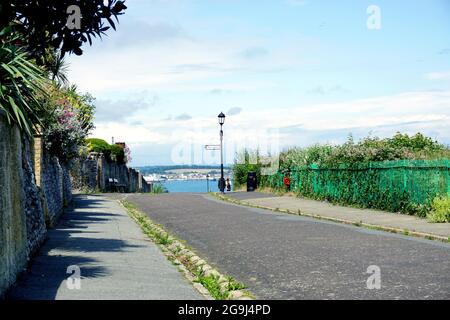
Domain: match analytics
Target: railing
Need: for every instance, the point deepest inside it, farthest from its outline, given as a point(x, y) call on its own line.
point(389, 185)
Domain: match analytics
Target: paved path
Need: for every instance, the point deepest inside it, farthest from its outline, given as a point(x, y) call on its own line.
point(282, 256)
point(325, 209)
point(117, 261)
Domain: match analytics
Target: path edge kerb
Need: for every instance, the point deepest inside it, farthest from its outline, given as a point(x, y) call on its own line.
point(405, 232)
point(183, 257)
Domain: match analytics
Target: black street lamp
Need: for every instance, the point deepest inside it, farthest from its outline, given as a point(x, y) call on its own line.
point(222, 179)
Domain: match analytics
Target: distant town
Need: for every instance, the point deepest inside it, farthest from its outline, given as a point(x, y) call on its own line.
point(180, 172)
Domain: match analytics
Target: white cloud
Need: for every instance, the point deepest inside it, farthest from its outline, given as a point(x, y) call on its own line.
point(427, 111)
point(444, 75)
point(127, 132)
point(171, 65)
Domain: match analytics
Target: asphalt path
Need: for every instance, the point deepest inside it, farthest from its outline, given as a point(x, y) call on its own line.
point(281, 256)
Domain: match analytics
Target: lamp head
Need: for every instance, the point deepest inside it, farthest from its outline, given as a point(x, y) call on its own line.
point(221, 118)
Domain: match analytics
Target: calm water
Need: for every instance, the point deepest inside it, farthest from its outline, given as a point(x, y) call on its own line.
point(190, 186)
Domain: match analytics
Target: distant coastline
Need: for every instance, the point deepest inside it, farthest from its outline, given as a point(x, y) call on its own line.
point(164, 168)
point(160, 174)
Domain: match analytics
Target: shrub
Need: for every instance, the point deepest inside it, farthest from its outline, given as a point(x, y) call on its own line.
point(98, 145)
point(112, 152)
point(64, 134)
point(440, 209)
point(117, 154)
point(243, 165)
point(371, 173)
point(64, 121)
point(158, 188)
point(20, 81)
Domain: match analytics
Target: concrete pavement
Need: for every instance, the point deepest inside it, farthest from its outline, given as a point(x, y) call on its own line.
point(280, 256)
point(402, 222)
point(116, 260)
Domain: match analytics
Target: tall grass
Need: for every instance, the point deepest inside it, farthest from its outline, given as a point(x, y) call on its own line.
point(158, 188)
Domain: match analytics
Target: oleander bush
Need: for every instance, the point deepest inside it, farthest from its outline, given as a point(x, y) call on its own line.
point(67, 121)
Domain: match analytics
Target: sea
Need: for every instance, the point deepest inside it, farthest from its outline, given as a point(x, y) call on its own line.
point(191, 185)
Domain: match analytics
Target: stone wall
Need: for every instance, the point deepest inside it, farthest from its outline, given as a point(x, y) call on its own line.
point(95, 173)
point(52, 187)
point(34, 187)
point(34, 210)
point(13, 222)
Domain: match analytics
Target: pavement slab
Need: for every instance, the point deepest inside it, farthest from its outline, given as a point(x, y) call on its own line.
point(116, 260)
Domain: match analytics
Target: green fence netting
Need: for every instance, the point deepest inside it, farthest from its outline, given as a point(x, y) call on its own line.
point(387, 185)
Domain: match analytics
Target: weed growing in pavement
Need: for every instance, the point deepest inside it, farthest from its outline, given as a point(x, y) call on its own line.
point(210, 282)
point(233, 284)
point(165, 240)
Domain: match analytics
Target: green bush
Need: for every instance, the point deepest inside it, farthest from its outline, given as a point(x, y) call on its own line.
point(117, 154)
point(242, 166)
point(440, 209)
point(99, 145)
point(112, 152)
point(399, 174)
point(368, 149)
point(158, 188)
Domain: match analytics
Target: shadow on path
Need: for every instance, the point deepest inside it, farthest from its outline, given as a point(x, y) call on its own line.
point(77, 240)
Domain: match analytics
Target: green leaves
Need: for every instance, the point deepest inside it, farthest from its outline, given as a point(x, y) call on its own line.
point(399, 174)
point(112, 152)
point(440, 209)
point(20, 80)
point(44, 22)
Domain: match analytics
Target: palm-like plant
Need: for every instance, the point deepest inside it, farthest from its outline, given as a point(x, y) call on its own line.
point(20, 81)
point(57, 67)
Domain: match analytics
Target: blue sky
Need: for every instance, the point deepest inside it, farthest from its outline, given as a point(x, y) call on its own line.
point(310, 69)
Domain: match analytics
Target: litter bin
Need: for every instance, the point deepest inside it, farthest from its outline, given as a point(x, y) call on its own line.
point(251, 181)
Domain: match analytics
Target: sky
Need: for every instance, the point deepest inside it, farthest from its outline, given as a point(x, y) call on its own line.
point(285, 73)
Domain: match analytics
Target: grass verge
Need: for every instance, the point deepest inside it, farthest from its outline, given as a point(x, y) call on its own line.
point(219, 287)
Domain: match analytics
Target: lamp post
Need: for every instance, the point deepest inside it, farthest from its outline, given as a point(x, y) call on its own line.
point(222, 179)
